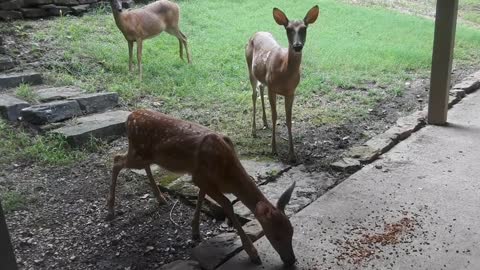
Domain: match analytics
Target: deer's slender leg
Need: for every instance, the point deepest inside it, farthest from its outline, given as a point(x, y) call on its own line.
point(185, 43)
point(272, 97)
point(288, 111)
point(156, 191)
point(253, 81)
point(264, 116)
point(139, 57)
point(196, 216)
point(180, 49)
point(118, 165)
point(228, 208)
point(130, 55)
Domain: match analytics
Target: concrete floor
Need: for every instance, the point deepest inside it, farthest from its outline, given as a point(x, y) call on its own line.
point(417, 207)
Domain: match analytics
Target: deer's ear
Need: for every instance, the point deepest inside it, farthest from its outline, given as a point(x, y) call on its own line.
point(263, 211)
point(285, 198)
point(312, 15)
point(280, 17)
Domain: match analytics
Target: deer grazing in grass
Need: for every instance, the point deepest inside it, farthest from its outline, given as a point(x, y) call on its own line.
point(146, 22)
point(278, 68)
point(184, 147)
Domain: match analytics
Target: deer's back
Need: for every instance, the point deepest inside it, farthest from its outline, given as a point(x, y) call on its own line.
point(150, 20)
point(260, 51)
point(161, 139)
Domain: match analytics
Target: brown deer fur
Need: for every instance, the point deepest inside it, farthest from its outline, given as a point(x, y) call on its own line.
point(147, 22)
point(278, 68)
point(185, 147)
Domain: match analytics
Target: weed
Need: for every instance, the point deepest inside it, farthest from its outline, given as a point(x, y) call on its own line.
point(12, 200)
point(49, 149)
point(25, 92)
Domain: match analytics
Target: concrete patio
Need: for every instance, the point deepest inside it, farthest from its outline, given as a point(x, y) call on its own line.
point(416, 208)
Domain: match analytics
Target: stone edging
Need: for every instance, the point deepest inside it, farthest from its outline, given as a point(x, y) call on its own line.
point(366, 153)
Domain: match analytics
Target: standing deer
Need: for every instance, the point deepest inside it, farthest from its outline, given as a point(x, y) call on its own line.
point(184, 147)
point(147, 22)
point(278, 68)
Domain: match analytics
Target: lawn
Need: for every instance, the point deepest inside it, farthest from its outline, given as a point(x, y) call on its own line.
point(349, 47)
point(469, 10)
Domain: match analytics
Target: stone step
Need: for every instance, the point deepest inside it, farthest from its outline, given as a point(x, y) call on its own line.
point(6, 62)
point(96, 102)
point(63, 103)
point(10, 107)
point(100, 126)
point(89, 102)
point(51, 112)
point(57, 93)
point(11, 80)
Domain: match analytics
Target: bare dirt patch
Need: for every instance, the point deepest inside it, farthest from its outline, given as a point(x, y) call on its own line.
point(63, 224)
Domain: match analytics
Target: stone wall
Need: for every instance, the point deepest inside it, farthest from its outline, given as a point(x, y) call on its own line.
point(31, 9)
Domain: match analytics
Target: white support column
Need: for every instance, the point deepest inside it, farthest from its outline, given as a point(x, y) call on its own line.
point(444, 43)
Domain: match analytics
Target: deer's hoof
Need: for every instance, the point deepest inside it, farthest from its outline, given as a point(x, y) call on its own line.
point(256, 260)
point(196, 237)
point(110, 216)
point(163, 200)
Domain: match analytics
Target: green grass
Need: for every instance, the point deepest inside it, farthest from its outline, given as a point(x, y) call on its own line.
point(349, 46)
point(12, 200)
point(470, 10)
point(25, 92)
point(17, 145)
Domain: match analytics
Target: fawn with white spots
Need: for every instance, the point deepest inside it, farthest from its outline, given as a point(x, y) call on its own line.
point(184, 147)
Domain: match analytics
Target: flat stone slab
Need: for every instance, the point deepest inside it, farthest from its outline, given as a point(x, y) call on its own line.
point(469, 84)
point(96, 102)
point(33, 12)
point(261, 171)
point(7, 15)
point(10, 80)
point(57, 93)
point(216, 250)
point(309, 186)
point(6, 62)
point(51, 112)
point(10, 107)
point(181, 265)
point(100, 126)
point(184, 187)
point(346, 165)
point(77, 10)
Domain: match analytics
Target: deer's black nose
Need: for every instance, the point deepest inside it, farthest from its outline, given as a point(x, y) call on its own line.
point(298, 47)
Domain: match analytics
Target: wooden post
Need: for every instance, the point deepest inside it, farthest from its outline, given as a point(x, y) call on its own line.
point(444, 42)
point(7, 257)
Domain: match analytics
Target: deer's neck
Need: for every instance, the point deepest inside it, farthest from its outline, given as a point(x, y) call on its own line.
point(249, 194)
point(293, 60)
point(116, 16)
